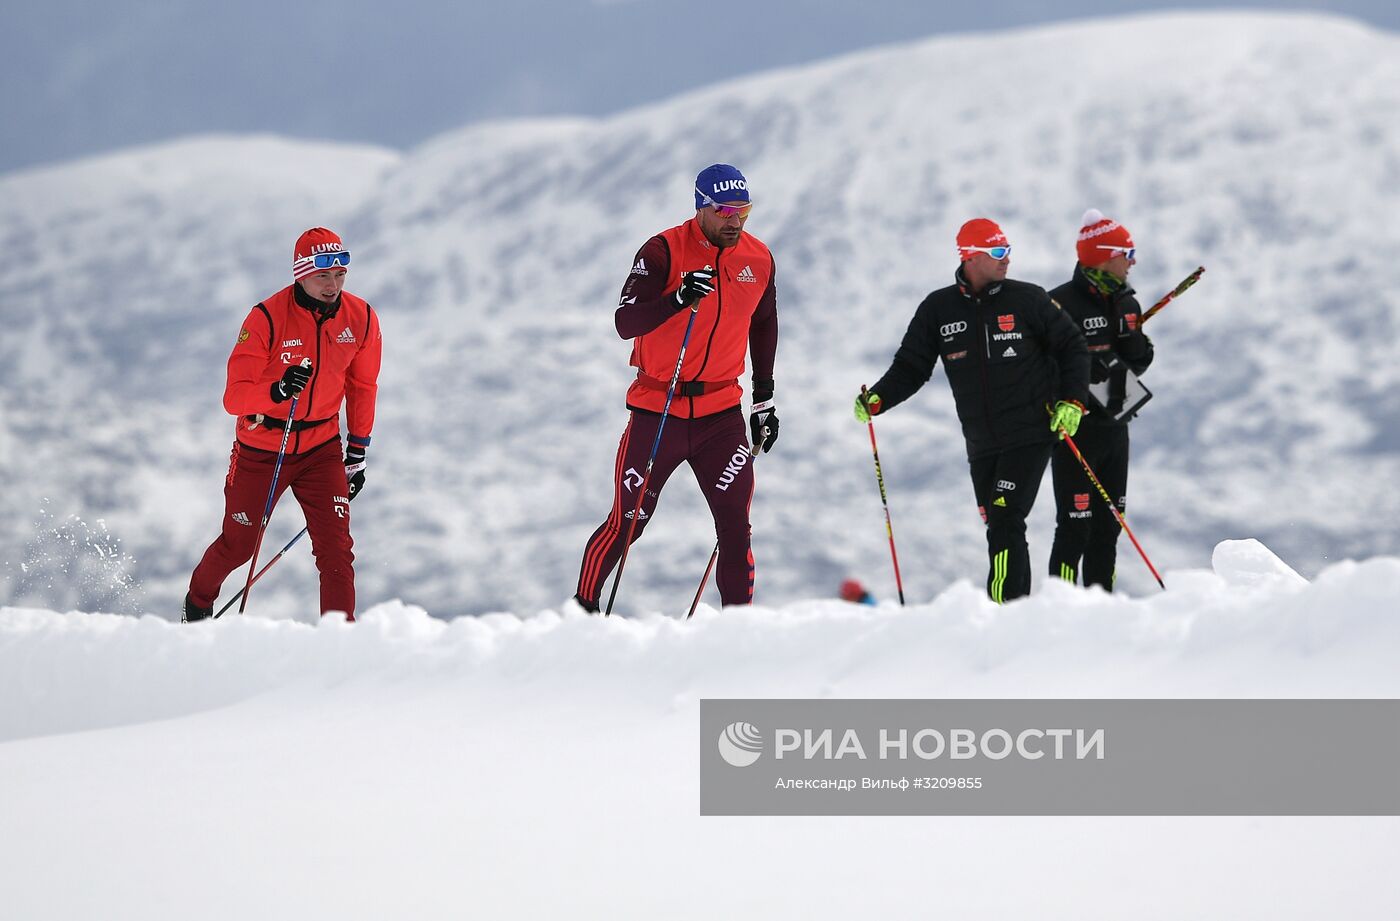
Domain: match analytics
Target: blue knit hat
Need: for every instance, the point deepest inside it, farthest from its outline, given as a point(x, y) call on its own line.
point(721, 183)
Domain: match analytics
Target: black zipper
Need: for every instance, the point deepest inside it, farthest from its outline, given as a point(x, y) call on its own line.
point(981, 321)
point(719, 309)
point(315, 375)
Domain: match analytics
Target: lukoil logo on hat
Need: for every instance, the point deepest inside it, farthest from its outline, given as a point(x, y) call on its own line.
point(1100, 239)
point(720, 183)
point(317, 250)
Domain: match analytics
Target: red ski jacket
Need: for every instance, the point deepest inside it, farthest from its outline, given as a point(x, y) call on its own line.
point(741, 316)
point(344, 346)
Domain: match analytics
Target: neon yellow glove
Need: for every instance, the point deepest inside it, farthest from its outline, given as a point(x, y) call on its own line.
point(1065, 418)
point(867, 405)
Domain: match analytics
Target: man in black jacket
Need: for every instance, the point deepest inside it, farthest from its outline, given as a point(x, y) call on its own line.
point(1011, 355)
point(1099, 299)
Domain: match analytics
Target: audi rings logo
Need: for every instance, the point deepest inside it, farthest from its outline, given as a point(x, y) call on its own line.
point(952, 329)
point(1096, 322)
point(740, 744)
point(1005, 485)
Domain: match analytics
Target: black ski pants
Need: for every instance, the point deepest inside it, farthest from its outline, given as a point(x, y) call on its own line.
point(1005, 484)
point(1086, 531)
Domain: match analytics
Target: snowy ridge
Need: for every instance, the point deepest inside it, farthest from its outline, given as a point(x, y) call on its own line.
point(1258, 145)
point(1242, 629)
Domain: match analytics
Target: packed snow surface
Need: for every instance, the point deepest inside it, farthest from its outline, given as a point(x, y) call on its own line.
point(546, 765)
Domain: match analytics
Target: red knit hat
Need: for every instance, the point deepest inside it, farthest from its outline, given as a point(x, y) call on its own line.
point(314, 242)
point(979, 232)
point(1097, 232)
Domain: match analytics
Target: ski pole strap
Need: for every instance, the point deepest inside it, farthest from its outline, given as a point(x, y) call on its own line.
point(298, 425)
point(685, 388)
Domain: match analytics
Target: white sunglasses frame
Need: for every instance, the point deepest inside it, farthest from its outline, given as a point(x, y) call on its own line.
point(716, 205)
point(988, 250)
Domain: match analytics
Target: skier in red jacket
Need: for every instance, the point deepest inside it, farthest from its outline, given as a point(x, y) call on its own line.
point(710, 261)
point(321, 344)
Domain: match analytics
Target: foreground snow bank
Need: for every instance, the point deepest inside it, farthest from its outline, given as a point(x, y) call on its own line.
point(1251, 627)
point(545, 766)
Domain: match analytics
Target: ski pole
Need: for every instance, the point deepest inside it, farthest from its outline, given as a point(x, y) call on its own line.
point(655, 444)
point(1122, 522)
point(300, 535)
point(695, 602)
point(714, 554)
point(1188, 282)
point(271, 492)
point(889, 526)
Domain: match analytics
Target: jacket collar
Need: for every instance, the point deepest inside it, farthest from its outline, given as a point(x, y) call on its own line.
point(320, 309)
point(692, 227)
point(1085, 285)
point(988, 293)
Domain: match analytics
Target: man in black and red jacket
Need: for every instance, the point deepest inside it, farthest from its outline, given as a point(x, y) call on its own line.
point(1019, 371)
point(1100, 300)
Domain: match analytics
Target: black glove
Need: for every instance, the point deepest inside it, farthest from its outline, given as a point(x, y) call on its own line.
point(355, 469)
point(695, 285)
point(1101, 366)
point(293, 382)
point(763, 420)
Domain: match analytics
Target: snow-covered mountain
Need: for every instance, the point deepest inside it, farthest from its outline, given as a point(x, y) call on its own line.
point(546, 766)
point(1266, 147)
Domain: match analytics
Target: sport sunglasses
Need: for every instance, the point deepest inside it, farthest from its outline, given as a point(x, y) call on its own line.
point(1129, 251)
point(326, 260)
point(996, 252)
point(725, 210)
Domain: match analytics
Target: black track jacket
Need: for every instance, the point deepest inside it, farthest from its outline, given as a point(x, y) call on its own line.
point(1112, 329)
point(1008, 353)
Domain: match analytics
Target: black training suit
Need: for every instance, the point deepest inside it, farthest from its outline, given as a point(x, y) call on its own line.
point(1086, 531)
point(1010, 354)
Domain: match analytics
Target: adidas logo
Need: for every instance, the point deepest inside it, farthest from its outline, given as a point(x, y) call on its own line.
point(242, 519)
point(345, 336)
point(1009, 353)
point(748, 275)
point(640, 268)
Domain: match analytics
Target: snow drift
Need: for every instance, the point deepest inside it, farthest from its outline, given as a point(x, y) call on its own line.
point(546, 765)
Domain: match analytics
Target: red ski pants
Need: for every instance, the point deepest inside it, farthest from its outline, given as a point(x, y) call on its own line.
point(717, 449)
point(317, 480)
